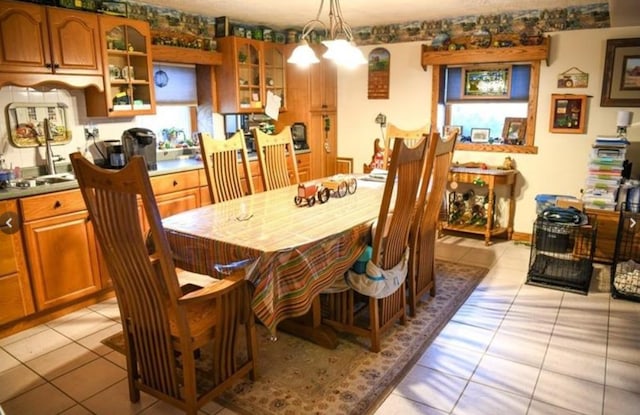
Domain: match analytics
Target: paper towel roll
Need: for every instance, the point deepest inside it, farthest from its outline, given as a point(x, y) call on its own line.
point(624, 118)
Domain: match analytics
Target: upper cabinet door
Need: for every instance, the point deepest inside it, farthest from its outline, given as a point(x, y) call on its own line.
point(250, 69)
point(75, 42)
point(323, 86)
point(274, 71)
point(24, 42)
point(46, 40)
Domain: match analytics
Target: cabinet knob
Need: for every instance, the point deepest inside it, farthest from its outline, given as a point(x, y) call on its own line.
point(57, 205)
point(48, 65)
point(56, 65)
point(175, 183)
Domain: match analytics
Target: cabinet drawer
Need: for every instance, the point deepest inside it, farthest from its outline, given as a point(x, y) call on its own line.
point(175, 182)
point(52, 204)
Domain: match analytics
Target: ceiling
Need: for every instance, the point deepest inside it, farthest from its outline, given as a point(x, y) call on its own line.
point(357, 13)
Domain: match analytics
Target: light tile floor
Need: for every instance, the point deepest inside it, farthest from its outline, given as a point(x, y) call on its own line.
point(511, 349)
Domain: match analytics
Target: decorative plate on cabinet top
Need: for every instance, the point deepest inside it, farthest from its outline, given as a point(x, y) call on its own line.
point(481, 38)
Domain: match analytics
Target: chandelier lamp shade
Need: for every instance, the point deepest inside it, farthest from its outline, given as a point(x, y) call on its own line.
point(339, 40)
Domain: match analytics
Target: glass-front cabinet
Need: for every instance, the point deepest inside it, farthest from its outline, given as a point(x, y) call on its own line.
point(250, 69)
point(249, 76)
point(274, 70)
point(127, 76)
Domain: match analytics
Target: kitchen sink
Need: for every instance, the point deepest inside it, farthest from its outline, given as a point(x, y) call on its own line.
point(55, 178)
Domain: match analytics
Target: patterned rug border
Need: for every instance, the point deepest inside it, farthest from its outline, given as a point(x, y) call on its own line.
point(380, 372)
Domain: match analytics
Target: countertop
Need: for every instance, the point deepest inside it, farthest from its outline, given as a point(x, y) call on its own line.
point(164, 167)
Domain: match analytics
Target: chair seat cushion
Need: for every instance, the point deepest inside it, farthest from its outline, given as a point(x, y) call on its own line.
point(377, 282)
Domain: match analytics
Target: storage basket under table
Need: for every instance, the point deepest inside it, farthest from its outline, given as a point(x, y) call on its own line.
point(562, 255)
point(625, 269)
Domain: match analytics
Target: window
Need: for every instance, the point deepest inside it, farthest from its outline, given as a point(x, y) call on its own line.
point(478, 112)
point(486, 112)
point(521, 105)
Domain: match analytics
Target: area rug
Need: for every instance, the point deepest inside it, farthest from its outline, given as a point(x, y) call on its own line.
point(299, 377)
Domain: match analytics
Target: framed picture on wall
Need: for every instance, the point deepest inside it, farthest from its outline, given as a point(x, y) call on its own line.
point(486, 82)
point(480, 135)
point(621, 78)
point(448, 129)
point(513, 130)
point(568, 114)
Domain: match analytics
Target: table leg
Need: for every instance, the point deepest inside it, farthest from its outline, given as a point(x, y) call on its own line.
point(310, 327)
point(490, 213)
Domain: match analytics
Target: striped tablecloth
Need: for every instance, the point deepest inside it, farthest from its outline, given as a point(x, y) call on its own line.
point(297, 251)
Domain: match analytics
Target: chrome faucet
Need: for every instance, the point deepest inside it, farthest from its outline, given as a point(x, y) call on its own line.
point(48, 139)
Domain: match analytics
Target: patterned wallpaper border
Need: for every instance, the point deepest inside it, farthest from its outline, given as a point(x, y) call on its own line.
point(187, 28)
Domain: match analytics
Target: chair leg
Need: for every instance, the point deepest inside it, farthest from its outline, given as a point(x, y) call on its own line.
point(132, 370)
point(189, 392)
point(432, 292)
point(374, 313)
point(252, 347)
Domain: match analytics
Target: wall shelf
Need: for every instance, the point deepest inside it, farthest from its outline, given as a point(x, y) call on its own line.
point(486, 55)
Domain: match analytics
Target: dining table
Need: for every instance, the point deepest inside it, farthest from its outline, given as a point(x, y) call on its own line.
point(291, 252)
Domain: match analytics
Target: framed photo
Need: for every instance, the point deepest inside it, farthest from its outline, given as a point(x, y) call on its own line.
point(621, 79)
point(568, 114)
point(486, 82)
point(480, 135)
point(514, 130)
point(114, 8)
point(448, 129)
point(222, 26)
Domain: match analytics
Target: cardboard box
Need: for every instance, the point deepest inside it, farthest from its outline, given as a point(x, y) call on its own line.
point(565, 202)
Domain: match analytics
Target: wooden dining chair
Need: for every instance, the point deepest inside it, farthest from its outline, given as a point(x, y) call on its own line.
point(166, 324)
point(411, 138)
point(343, 310)
point(421, 278)
point(276, 156)
point(220, 159)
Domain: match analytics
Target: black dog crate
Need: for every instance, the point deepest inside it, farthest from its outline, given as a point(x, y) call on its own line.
point(562, 255)
point(625, 269)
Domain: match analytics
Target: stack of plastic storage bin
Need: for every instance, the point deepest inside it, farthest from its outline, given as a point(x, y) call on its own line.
point(605, 173)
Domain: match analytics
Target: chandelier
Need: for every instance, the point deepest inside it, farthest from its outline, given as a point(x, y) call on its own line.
point(339, 41)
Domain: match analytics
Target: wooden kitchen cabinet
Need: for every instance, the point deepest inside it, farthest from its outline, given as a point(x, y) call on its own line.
point(312, 100)
point(37, 42)
point(127, 61)
point(16, 300)
point(249, 70)
point(606, 235)
point(176, 192)
point(61, 248)
point(304, 166)
point(275, 80)
point(323, 85)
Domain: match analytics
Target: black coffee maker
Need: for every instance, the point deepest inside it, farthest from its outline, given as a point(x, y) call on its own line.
point(140, 142)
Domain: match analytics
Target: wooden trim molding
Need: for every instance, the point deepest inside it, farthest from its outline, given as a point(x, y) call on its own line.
point(163, 53)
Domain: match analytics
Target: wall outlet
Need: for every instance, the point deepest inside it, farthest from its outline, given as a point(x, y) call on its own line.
point(91, 133)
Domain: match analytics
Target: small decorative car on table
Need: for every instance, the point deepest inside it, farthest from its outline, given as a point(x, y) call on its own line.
point(308, 193)
point(338, 185)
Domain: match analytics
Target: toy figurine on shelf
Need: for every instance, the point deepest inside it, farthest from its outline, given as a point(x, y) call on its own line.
point(507, 164)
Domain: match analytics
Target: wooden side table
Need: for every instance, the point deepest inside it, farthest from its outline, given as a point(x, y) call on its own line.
point(489, 178)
